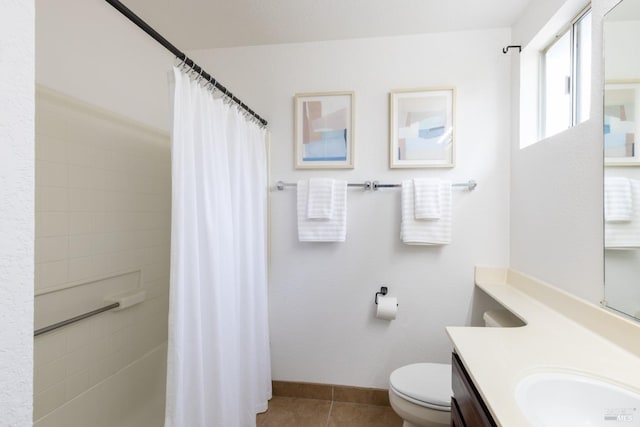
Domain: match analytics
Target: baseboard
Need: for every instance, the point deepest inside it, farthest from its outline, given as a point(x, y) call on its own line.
point(332, 392)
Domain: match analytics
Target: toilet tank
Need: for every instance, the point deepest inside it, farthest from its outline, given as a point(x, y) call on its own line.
point(501, 319)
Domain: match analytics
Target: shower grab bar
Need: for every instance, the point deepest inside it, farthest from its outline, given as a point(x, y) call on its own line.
point(75, 319)
point(375, 185)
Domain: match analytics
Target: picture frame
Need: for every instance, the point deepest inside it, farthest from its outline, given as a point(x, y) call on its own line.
point(621, 117)
point(324, 130)
point(422, 128)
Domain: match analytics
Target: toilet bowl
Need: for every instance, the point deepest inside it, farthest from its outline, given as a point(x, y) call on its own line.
point(420, 393)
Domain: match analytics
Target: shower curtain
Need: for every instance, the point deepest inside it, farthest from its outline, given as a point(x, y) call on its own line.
point(218, 364)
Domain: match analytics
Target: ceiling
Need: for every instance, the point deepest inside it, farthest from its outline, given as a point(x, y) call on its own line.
point(205, 24)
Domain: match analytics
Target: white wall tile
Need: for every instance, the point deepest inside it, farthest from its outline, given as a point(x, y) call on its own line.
point(84, 222)
point(49, 347)
point(76, 384)
point(117, 261)
point(50, 249)
point(86, 177)
point(100, 369)
point(47, 375)
point(100, 347)
point(49, 148)
point(52, 199)
point(82, 268)
point(78, 153)
point(95, 218)
point(86, 244)
point(79, 359)
point(53, 273)
point(156, 288)
point(51, 174)
point(86, 200)
point(52, 224)
point(48, 400)
point(79, 335)
point(115, 160)
point(156, 271)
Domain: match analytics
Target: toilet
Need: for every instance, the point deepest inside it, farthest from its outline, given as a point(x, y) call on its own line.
point(420, 393)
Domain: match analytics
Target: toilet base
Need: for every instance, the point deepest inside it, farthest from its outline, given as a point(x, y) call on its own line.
point(418, 416)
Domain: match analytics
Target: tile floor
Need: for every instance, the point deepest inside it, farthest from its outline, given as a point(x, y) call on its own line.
point(302, 412)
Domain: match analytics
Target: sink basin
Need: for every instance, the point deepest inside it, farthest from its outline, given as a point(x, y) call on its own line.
point(553, 399)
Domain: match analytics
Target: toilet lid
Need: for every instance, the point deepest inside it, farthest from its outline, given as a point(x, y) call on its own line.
point(426, 383)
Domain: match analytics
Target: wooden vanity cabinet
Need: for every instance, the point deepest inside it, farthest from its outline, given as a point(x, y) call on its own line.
point(467, 407)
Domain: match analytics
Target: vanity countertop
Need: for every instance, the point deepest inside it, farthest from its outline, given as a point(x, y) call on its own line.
point(562, 333)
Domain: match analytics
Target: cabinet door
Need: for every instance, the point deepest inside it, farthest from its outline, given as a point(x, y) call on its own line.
point(456, 418)
point(473, 411)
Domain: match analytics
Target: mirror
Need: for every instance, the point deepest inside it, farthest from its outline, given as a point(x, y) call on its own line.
point(622, 158)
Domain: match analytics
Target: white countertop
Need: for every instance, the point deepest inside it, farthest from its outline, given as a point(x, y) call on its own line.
point(562, 333)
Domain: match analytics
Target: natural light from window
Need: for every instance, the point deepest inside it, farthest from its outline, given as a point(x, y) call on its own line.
point(557, 84)
point(566, 78)
point(583, 42)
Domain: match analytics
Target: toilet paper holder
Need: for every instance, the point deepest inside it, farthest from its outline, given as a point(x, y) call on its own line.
point(383, 291)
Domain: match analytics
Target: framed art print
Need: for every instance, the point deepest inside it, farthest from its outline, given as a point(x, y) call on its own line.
point(324, 130)
point(421, 125)
point(620, 116)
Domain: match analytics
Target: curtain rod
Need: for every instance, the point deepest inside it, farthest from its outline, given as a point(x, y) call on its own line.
point(181, 56)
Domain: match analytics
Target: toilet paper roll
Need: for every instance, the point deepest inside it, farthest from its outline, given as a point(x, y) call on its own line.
point(387, 307)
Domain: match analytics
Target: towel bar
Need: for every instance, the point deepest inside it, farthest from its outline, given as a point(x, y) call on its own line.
point(375, 185)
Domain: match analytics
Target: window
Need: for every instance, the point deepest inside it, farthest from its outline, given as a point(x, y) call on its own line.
point(566, 77)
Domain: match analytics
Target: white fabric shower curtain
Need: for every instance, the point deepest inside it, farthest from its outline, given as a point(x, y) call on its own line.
point(218, 365)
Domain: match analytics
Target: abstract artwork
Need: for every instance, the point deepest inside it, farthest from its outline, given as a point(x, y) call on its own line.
point(421, 128)
point(324, 130)
point(620, 118)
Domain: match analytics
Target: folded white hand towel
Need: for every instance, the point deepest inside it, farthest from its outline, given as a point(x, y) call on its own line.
point(625, 234)
point(426, 198)
point(420, 232)
point(332, 230)
point(618, 202)
point(320, 198)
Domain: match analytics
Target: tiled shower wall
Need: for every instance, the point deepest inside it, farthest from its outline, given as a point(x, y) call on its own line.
point(103, 200)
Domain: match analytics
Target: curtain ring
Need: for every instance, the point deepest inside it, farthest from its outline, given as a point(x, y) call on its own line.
point(192, 70)
point(185, 67)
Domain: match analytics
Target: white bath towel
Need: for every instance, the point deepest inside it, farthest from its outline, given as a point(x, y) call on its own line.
point(421, 232)
point(314, 230)
point(625, 235)
point(426, 198)
point(617, 199)
point(320, 198)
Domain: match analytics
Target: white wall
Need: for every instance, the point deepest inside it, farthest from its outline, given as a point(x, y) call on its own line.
point(556, 188)
point(620, 39)
point(16, 211)
point(321, 295)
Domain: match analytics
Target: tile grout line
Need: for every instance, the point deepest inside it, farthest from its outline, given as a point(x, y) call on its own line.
point(329, 415)
point(330, 407)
